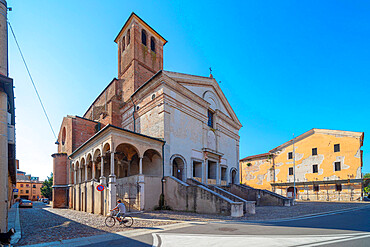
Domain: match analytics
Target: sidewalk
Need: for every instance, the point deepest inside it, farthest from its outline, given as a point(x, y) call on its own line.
point(13, 222)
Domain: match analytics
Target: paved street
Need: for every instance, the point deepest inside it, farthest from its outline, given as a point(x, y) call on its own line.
point(340, 229)
point(45, 224)
point(64, 227)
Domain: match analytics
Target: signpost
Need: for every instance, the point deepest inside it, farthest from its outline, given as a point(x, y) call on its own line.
point(100, 187)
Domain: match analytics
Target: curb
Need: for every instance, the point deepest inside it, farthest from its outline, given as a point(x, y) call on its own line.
point(294, 218)
point(108, 236)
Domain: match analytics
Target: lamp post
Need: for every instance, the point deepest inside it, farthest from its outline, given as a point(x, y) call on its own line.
point(294, 190)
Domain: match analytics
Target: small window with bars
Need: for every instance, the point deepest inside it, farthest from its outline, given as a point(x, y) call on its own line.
point(336, 147)
point(315, 169)
point(316, 188)
point(290, 170)
point(337, 166)
point(338, 187)
point(290, 155)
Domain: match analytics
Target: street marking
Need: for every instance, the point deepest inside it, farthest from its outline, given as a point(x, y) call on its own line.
point(310, 216)
point(173, 239)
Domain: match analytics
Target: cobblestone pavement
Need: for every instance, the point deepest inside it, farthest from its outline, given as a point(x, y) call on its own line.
point(44, 224)
point(262, 213)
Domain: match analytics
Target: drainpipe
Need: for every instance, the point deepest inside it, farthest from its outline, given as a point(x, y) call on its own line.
point(133, 114)
point(162, 195)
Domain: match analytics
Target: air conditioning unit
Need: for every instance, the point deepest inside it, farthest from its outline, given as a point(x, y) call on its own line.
point(11, 134)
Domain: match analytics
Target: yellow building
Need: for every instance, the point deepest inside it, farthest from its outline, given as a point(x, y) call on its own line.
point(325, 165)
point(28, 187)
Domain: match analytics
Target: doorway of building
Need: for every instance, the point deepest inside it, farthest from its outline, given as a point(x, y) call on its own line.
point(178, 168)
point(290, 192)
point(233, 176)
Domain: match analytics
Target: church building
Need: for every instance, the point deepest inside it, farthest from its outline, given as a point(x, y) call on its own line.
point(146, 125)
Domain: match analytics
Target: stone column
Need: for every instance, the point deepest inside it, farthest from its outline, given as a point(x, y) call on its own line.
point(206, 171)
point(79, 175)
point(218, 173)
point(102, 178)
point(75, 175)
point(93, 170)
point(141, 182)
point(112, 183)
point(85, 172)
point(140, 165)
point(203, 173)
point(128, 168)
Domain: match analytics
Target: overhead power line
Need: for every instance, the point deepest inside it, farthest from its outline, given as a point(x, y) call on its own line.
point(33, 83)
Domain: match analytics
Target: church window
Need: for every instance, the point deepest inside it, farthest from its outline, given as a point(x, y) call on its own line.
point(152, 44)
point(153, 96)
point(123, 43)
point(210, 119)
point(128, 37)
point(137, 108)
point(143, 37)
point(64, 135)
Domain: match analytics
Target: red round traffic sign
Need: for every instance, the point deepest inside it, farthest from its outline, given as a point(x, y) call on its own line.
point(100, 187)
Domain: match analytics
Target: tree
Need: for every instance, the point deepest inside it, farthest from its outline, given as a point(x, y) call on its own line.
point(46, 189)
point(367, 189)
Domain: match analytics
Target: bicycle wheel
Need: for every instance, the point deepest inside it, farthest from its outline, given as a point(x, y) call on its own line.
point(110, 221)
point(128, 221)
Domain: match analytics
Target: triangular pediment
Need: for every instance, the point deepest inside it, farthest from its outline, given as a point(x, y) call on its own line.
point(208, 89)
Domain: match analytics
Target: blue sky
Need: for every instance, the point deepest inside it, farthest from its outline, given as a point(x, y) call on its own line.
point(285, 66)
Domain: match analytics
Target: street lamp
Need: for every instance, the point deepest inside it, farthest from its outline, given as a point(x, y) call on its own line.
point(294, 192)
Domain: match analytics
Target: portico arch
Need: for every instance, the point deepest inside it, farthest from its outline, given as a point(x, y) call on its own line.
point(127, 157)
point(152, 163)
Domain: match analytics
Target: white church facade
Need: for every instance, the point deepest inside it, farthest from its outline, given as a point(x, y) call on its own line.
point(147, 125)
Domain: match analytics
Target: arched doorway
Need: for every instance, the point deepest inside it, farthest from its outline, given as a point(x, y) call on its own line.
point(178, 168)
point(290, 192)
point(233, 176)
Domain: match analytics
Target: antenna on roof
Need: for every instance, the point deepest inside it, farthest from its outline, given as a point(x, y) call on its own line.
point(210, 72)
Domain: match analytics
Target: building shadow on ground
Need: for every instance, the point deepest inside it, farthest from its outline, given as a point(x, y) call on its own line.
point(41, 226)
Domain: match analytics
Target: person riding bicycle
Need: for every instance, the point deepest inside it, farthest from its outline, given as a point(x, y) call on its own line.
point(122, 211)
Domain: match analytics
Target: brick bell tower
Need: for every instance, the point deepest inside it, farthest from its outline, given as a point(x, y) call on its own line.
point(140, 54)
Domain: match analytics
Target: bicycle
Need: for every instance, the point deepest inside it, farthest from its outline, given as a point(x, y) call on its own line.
point(110, 220)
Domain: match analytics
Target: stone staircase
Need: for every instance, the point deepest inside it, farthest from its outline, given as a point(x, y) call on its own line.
point(262, 197)
point(199, 198)
point(248, 206)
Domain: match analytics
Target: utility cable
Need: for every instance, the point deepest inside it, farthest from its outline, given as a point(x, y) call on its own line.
point(34, 86)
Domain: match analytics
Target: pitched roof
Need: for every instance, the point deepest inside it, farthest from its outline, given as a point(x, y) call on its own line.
point(142, 22)
point(255, 156)
point(320, 131)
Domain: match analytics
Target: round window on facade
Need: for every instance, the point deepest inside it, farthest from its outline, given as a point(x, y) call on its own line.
point(153, 96)
point(137, 108)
